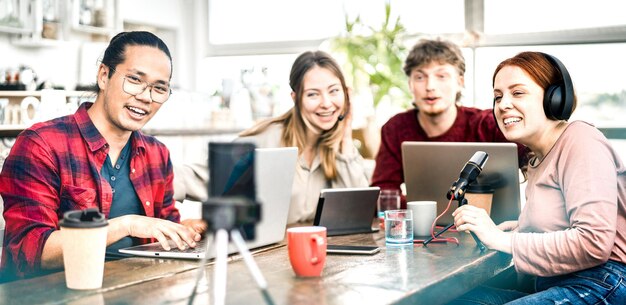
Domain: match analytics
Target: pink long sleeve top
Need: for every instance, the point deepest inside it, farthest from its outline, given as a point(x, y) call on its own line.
point(575, 212)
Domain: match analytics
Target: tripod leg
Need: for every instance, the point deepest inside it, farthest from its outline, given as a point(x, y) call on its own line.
point(200, 273)
point(221, 256)
point(251, 264)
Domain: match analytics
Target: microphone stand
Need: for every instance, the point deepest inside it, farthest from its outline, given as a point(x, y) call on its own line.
point(462, 201)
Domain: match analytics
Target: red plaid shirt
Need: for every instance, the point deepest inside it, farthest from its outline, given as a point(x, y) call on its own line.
point(54, 167)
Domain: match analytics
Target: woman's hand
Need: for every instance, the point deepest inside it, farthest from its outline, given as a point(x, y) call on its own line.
point(195, 225)
point(163, 230)
point(509, 225)
point(471, 218)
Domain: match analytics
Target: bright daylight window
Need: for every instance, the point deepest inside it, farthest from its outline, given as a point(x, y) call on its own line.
point(249, 21)
point(236, 25)
point(242, 26)
point(246, 21)
point(514, 16)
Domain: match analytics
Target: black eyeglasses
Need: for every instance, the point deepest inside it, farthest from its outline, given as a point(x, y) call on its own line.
point(133, 85)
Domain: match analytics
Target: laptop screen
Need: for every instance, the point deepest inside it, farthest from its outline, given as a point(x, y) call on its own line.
point(431, 167)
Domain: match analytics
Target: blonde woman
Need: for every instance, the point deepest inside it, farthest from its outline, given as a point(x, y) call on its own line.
point(319, 126)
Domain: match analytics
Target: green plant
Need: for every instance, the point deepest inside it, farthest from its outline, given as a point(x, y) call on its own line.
point(374, 57)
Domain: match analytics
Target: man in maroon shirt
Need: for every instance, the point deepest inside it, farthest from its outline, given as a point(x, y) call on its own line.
point(96, 157)
point(435, 69)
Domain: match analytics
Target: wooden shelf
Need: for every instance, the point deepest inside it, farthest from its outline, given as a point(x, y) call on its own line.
point(93, 29)
point(11, 131)
point(38, 93)
point(14, 30)
point(36, 42)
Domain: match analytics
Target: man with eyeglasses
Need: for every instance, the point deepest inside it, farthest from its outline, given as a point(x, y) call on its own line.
point(96, 157)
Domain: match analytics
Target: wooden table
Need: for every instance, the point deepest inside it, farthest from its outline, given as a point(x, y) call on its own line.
point(414, 275)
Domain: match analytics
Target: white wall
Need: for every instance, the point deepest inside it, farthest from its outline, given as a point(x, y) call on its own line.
point(61, 63)
point(176, 20)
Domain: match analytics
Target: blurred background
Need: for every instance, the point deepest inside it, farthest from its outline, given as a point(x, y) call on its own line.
point(232, 57)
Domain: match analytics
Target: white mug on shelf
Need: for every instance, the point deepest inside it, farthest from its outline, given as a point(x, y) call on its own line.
point(53, 105)
point(28, 110)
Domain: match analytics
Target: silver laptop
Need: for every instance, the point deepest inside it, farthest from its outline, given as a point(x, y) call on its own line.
point(347, 210)
point(430, 168)
point(274, 173)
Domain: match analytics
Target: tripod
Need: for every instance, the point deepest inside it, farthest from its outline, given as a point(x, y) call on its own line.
point(223, 218)
point(462, 201)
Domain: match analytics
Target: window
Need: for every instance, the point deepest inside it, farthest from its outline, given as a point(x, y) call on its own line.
point(245, 21)
point(595, 70)
point(513, 16)
point(588, 36)
point(250, 21)
point(242, 32)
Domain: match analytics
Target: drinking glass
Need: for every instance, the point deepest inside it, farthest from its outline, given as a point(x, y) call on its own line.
point(398, 227)
point(387, 200)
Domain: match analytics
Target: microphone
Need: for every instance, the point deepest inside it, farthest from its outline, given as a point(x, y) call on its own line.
point(469, 173)
point(341, 117)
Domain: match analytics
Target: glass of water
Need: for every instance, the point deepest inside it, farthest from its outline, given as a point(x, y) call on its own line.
point(387, 200)
point(398, 227)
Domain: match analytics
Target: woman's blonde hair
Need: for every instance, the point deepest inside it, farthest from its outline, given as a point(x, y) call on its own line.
point(294, 127)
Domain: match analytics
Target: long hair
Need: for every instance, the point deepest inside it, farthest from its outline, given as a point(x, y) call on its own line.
point(294, 128)
point(540, 70)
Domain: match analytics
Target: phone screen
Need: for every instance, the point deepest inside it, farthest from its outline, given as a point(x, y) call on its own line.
point(231, 174)
point(345, 249)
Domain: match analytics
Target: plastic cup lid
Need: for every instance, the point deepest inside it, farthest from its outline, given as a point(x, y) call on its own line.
point(87, 218)
point(479, 188)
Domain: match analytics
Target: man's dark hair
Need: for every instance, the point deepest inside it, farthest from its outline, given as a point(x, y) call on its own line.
point(115, 52)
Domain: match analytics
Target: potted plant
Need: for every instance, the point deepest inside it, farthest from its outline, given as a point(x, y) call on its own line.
point(373, 57)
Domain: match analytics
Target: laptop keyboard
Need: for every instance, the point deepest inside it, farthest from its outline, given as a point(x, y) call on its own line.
point(200, 248)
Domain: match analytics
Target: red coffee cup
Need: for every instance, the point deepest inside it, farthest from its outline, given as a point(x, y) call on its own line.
point(307, 250)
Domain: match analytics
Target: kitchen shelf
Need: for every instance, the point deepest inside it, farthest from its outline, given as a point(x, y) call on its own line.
point(11, 131)
point(93, 29)
point(16, 93)
point(14, 30)
point(36, 42)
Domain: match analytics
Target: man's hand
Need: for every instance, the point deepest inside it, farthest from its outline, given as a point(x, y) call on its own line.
point(162, 230)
